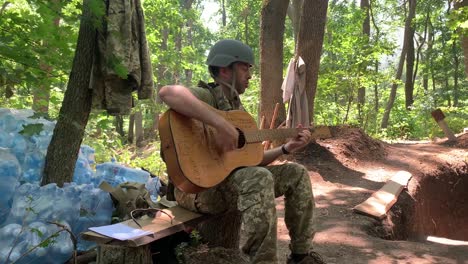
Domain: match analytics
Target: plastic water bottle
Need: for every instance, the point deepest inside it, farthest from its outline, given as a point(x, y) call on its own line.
point(83, 173)
point(133, 175)
point(46, 203)
point(33, 166)
point(10, 172)
point(62, 248)
point(16, 240)
point(8, 235)
point(96, 209)
point(19, 147)
point(107, 172)
point(153, 185)
point(88, 153)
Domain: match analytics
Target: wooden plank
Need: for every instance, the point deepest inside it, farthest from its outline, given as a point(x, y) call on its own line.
point(161, 226)
point(439, 117)
point(381, 201)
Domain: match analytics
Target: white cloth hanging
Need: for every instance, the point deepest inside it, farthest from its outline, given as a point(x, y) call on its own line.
point(294, 92)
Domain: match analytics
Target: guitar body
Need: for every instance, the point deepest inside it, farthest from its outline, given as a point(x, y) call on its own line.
point(188, 148)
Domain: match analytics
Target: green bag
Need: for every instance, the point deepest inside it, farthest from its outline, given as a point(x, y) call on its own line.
point(127, 197)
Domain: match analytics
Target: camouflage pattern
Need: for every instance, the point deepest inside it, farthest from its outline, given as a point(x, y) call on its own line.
point(217, 99)
point(121, 44)
point(252, 191)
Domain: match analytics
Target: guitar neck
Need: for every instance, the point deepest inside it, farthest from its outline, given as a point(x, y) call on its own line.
point(271, 134)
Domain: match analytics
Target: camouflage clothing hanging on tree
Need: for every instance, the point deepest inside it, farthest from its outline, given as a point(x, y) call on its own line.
point(122, 64)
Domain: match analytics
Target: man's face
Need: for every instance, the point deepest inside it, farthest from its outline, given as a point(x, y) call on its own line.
point(243, 76)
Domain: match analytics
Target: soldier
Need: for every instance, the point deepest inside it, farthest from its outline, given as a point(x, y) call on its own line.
point(251, 190)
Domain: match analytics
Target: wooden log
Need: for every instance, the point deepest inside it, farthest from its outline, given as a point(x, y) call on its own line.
point(87, 257)
point(112, 254)
point(439, 117)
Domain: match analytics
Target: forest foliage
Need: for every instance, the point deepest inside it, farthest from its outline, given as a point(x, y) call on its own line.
point(38, 39)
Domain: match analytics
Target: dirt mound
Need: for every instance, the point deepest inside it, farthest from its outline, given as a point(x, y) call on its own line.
point(350, 166)
point(350, 142)
point(462, 141)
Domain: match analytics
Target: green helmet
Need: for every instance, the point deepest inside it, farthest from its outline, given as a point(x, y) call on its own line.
point(227, 51)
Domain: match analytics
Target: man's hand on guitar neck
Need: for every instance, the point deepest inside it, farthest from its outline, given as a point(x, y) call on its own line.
point(299, 141)
point(292, 145)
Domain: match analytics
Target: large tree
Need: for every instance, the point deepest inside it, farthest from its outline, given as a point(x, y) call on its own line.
point(273, 16)
point(365, 5)
point(309, 44)
point(406, 39)
point(76, 106)
point(463, 4)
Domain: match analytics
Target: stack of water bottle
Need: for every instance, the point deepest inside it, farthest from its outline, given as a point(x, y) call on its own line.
point(32, 217)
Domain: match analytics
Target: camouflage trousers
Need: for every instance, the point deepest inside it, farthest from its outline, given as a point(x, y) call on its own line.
point(252, 191)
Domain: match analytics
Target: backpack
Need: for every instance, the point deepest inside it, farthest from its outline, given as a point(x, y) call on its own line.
point(127, 197)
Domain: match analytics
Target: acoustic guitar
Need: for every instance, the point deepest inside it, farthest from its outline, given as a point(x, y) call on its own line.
point(189, 151)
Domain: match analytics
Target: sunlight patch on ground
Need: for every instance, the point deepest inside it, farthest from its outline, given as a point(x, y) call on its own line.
point(340, 235)
point(446, 241)
point(377, 175)
point(335, 196)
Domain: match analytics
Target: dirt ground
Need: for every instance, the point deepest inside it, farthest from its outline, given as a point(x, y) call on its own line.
point(346, 169)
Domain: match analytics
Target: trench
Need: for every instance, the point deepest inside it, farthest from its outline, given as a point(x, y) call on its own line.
point(438, 206)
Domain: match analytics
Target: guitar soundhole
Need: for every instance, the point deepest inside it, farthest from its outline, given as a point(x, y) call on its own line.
point(241, 140)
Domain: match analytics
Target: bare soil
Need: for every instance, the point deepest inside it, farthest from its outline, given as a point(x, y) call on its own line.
point(346, 169)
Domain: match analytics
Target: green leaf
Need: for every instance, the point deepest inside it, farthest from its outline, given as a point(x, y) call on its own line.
point(37, 231)
point(32, 129)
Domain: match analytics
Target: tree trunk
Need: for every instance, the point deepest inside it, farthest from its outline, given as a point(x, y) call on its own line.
point(366, 32)
point(162, 69)
point(376, 62)
point(189, 72)
point(4, 5)
point(430, 45)
point(409, 85)
point(186, 5)
point(119, 122)
point(138, 129)
point(76, 107)
point(447, 91)
point(456, 65)
point(464, 36)
point(309, 44)
point(223, 12)
point(425, 55)
point(273, 16)
point(131, 128)
point(406, 39)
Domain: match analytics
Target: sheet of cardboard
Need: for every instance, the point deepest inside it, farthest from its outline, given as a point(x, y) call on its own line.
point(382, 200)
point(176, 219)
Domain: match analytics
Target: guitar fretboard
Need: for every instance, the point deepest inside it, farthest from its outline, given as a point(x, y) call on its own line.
point(271, 134)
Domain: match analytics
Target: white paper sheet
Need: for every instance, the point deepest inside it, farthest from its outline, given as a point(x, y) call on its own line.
point(120, 231)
